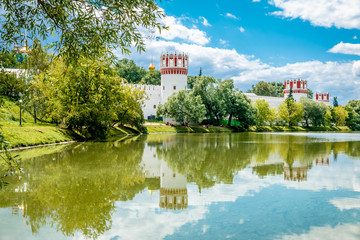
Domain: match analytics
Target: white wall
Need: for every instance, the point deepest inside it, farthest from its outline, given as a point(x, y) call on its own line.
point(168, 81)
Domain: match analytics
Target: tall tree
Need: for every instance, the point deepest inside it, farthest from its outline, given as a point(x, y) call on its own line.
point(264, 89)
point(83, 27)
point(314, 112)
point(151, 78)
point(340, 115)
point(128, 70)
point(264, 114)
point(335, 103)
point(290, 112)
point(183, 106)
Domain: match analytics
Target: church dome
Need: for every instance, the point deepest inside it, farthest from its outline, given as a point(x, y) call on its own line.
point(151, 66)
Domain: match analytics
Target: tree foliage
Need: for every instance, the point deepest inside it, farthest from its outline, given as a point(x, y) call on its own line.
point(353, 120)
point(183, 106)
point(88, 96)
point(82, 27)
point(264, 114)
point(274, 89)
point(314, 112)
point(128, 70)
point(340, 115)
point(151, 78)
point(290, 112)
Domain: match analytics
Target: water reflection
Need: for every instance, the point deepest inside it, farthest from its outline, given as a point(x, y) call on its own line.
point(75, 188)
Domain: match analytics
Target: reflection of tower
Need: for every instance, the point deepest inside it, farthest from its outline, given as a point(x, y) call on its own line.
point(322, 161)
point(296, 172)
point(173, 191)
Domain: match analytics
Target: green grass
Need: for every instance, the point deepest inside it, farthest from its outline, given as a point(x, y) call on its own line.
point(297, 129)
point(182, 129)
point(28, 136)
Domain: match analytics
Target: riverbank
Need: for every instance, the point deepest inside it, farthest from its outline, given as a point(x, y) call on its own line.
point(40, 135)
point(26, 136)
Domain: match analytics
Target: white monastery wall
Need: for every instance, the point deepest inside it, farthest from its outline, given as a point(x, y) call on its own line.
point(274, 102)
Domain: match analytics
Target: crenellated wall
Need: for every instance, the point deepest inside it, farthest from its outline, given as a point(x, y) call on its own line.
point(298, 86)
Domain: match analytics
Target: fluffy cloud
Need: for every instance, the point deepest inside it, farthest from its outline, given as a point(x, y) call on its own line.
point(346, 203)
point(242, 29)
point(346, 48)
point(326, 13)
point(230, 15)
point(178, 31)
point(205, 22)
point(344, 231)
point(219, 62)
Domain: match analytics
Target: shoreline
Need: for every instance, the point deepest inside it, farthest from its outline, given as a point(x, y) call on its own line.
point(23, 143)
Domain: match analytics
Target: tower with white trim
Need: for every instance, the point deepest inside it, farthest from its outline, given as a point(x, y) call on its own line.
point(173, 69)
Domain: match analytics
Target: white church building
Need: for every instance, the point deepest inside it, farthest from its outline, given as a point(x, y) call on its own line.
point(174, 69)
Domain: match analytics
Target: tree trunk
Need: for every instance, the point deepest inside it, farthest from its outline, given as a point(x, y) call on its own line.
point(35, 113)
point(229, 122)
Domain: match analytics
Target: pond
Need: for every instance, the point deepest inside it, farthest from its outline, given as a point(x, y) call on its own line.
point(188, 186)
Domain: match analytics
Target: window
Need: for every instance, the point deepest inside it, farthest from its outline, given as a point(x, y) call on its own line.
point(174, 87)
point(163, 87)
point(154, 106)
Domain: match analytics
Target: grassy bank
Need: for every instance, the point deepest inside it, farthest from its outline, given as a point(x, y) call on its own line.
point(31, 133)
point(182, 129)
point(215, 129)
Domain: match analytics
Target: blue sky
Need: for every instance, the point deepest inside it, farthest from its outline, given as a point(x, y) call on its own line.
point(268, 40)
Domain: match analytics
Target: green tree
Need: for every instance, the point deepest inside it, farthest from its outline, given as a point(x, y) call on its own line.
point(9, 60)
point(335, 102)
point(264, 114)
point(183, 107)
point(83, 27)
point(340, 115)
point(11, 85)
point(88, 96)
point(265, 89)
point(151, 78)
point(290, 112)
point(313, 112)
point(191, 81)
point(128, 70)
point(353, 120)
point(205, 88)
point(236, 104)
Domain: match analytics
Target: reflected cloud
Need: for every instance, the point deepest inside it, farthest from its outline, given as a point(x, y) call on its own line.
point(344, 231)
point(346, 203)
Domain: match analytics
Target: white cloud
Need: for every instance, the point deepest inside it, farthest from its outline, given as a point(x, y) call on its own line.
point(356, 68)
point(218, 62)
point(325, 13)
point(346, 48)
point(344, 231)
point(178, 31)
point(346, 203)
point(231, 16)
point(355, 37)
point(242, 29)
point(205, 22)
point(256, 0)
point(223, 42)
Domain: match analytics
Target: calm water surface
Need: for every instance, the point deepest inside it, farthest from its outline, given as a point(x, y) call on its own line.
point(196, 186)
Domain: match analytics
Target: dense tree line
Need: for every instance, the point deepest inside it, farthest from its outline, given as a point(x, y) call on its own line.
point(216, 100)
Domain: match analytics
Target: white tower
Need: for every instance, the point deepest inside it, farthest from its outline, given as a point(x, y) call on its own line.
point(298, 86)
point(173, 69)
